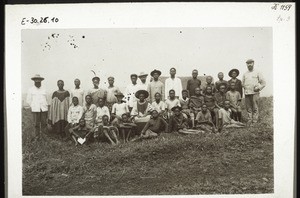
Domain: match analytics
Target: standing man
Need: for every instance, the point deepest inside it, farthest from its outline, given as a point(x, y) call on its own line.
point(37, 99)
point(156, 86)
point(112, 90)
point(193, 83)
point(253, 82)
point(96, 92)
point(77, 92)
point(173, 83)
point(130, 91)
point(143, 78)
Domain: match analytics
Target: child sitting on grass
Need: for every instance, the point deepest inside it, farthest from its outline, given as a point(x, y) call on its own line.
point(235, 99)
point(126, 127)
point(171, 102)
point(80, 131)
point(225, 119)
point(209, 100)
point(118, 109)
point(184, 103)
point(179, 123)
point(204, 120)
point(107, 130)
point(154, 126)
point(75, 112)
point(195, 104)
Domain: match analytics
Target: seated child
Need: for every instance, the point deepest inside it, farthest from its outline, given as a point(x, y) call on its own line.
point(154, 126)
point(118, 109)
point(141, 108)
point(235, 99)
point(80, 131)
point(225, 119)
point(75, 112)
point(185, 102)
point(204, 120)
point(101, 111)
point(209, 100)
point(179, 123)
point(126, 127)
point(171, 102)
point(195, 104)
point(159, 105)
point(107, 130)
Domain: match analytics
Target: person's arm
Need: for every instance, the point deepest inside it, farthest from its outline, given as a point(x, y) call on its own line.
point(146, 127)
point(149, 90)
point(69, 116)
point(216, 103)
point(240, 87)
point(243, 81)
point(261, 81)
point(71, 130)
point(165, 124)
point(188, 88)
point(179, 87)
point(71, 96)
point(170, 128)
point(163, 96)
point(166, 89)
point(134, 111)
point(239, 99)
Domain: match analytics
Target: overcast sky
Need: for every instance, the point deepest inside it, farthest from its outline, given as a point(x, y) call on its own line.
point(72, 53)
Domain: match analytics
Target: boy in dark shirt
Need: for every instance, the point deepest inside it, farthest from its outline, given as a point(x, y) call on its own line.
point(193, 83)
point(185, 103)
point(220, 97)
point(220, 81)
point(209, 100)
point(196, 102)
point(154, 126)
point(204, 120)
point(80, 131)
point(108, 131)
point(238, 83)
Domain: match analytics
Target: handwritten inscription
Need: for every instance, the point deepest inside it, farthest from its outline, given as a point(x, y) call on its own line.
point(278, 6)
point(33, 20)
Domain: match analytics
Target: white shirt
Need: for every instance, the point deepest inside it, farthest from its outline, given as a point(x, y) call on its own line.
point(252, 79)
point(129, 94)
point(172, 103)
point(120, 109)
point(143, 86)
point(79, 93)
point(37, 99)
point(74, 114)
point(161, 106)
point(101, 111)
point(174, 84)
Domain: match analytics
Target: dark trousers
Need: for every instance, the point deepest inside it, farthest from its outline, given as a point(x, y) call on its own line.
point(40, 122)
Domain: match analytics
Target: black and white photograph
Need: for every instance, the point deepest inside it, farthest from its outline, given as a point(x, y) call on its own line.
point(131, 111)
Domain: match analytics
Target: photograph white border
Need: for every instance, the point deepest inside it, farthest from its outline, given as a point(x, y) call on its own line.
point(142, 15)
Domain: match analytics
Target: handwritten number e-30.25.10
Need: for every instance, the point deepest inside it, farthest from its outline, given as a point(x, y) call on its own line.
point(33, 20)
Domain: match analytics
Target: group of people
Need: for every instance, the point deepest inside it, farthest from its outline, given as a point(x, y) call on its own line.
point(146, 110)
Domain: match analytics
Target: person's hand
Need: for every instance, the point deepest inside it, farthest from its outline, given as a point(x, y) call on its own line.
point(256, 89)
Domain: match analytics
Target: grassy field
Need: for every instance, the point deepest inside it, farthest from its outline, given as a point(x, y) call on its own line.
point(235, 161)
